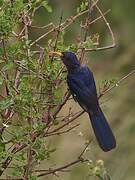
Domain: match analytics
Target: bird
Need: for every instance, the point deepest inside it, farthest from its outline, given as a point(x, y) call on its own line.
point(82, 87)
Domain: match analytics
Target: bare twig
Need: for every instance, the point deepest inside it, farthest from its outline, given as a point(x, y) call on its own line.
point(70, 119)
point(87, 25)
point(5, 57)
point(110, 31)
point(58, 31)
point(79, 159)
point(59, 107)
point(53, 171)
point(64, 25)
point(50, 98)
point(117, 83)
point(28, 166)
point(81, 154)
point(62, 132)
point(98, 18)
point(42, 27)
point(41, 54)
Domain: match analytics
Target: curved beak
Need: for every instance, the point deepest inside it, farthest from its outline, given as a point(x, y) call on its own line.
point(54, 53)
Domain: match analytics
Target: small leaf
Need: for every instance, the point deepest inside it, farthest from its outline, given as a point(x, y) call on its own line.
point(82, 7)
point(33, 177)
point(2, 146)
point(6, 103)
point(8, 66)
point(46, 6)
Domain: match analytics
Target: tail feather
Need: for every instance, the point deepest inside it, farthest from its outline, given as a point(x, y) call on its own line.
point(102, 131)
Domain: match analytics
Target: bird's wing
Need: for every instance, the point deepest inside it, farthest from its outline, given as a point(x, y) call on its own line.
point(83, 89)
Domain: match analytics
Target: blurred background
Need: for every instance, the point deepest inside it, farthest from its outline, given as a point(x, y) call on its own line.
point(118, 105)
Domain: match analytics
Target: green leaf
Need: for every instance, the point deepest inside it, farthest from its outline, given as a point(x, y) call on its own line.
point(8, 66)
point(39, 127)
point(1, 80)
point(82, 7)
point(46, 6)
point(33, 177)
point(2, 146)
point(6, 103)
point(17, 171)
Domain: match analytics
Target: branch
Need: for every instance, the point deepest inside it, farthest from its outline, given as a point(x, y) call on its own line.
point(60, 169)
point(117, 83)
point(62, 132)
point(87, 24)
point(28, 166)
point(53, 171)
point(63, 26)
point(59, 107)
point(42, 27)
point(110, 31)
point(70, 119)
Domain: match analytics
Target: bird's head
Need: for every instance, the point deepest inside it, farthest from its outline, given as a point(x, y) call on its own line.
point(69, 59)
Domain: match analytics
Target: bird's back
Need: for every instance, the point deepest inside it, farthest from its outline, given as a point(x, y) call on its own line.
point(82, 86)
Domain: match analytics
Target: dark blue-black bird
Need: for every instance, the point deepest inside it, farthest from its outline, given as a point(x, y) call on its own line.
point(82, 86)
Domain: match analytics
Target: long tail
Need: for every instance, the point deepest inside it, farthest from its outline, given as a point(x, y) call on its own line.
point(102, 131)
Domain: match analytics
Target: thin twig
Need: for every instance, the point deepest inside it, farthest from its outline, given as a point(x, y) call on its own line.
point(70, 119)
point(62, 132)
point(58, 31)
point(81, 154)
point(5, 57)
point(117, 83)
point(29, 162)
point(53, 171)
point(59, 107)
point(87, 24)
point(113, 44)
point(63, 26)
point(42, 27)
point(98, 18)
point(78, 160)
point(50, 97)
